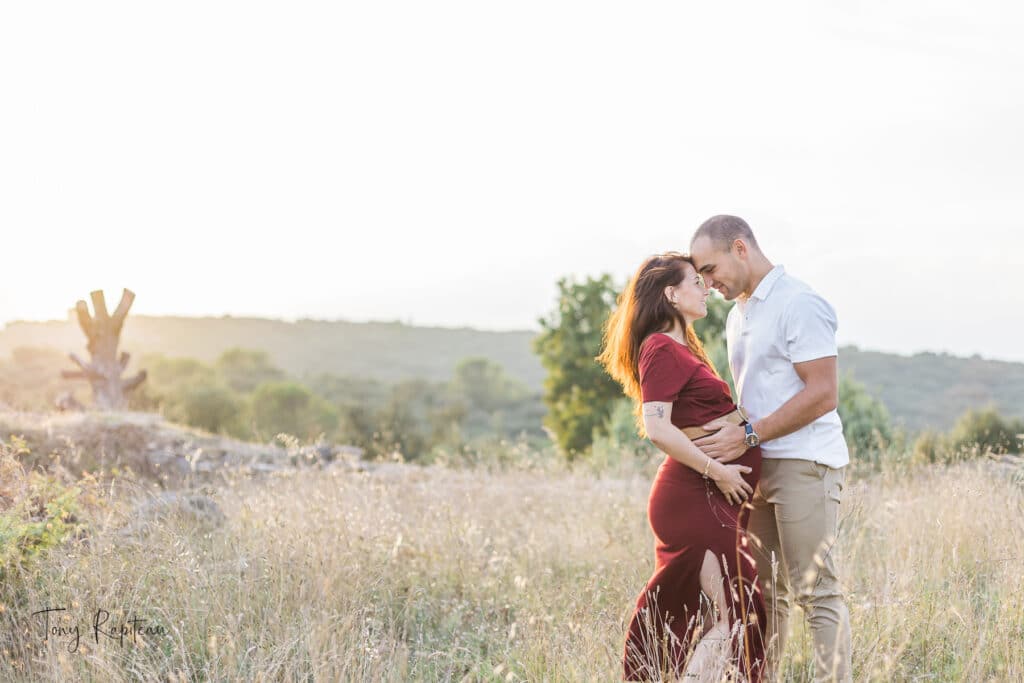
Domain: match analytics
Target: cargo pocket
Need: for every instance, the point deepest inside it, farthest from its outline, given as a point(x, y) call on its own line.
point(834, 480)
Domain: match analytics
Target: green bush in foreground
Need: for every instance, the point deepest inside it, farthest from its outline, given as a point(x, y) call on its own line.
point(37, 511)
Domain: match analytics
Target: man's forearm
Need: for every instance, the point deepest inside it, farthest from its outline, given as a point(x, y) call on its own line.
point(796, 413)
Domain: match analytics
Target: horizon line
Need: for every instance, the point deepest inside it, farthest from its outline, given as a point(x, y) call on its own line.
point(466, 327)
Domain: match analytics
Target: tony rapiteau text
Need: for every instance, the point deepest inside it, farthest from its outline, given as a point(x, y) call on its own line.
point(99, 626)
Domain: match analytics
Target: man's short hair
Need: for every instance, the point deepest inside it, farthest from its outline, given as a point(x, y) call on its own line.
point(723, 230)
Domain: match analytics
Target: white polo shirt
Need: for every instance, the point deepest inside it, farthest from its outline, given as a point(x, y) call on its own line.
point(784, 322)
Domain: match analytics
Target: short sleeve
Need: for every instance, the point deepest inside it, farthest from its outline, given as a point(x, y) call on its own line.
point(810, 328)
point(662, 373)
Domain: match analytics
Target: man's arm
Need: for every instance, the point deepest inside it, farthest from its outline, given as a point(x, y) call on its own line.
point(820, 395)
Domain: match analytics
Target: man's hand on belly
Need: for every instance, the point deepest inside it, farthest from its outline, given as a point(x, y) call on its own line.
point(725, 445)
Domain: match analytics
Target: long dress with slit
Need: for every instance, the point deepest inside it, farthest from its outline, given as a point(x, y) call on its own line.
point(689, 516)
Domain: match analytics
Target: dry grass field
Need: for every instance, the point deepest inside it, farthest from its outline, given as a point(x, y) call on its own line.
point(500, 572)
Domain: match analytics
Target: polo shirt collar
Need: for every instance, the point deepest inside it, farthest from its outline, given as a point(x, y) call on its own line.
point(768, 282)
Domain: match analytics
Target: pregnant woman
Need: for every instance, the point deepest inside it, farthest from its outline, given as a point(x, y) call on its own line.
point(701, 615)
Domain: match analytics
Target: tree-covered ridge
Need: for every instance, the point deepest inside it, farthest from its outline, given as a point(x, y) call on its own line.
point(930, 390)
point(921, 391)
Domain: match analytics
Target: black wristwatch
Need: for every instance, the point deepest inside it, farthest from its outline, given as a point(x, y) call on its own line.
point(751, 439)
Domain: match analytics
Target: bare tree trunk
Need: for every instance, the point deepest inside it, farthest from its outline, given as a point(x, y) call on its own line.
point(105, 367)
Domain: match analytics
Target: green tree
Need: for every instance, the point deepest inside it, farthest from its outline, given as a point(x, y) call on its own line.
point(711, 328)
point(348, 390)
point(485, 385)
point(244, 369)
point(866, 422)
point(399, 430)
point(711, 331)
point(578, 393)
point(292, 409)
point(413, 419)
point(485, 400)
point(190, 392)
point(166, 373)
point(209, 406)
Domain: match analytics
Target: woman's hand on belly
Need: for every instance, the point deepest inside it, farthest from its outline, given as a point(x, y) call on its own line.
point(729, 480)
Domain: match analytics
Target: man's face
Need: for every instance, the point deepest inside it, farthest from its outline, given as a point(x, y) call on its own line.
point(722, 270)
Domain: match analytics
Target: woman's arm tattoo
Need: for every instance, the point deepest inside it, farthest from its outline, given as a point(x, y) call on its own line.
point(655, 411)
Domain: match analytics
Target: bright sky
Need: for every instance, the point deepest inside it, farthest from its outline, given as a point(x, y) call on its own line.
point(445, 163)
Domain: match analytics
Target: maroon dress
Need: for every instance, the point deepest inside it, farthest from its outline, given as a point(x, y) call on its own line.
point(689, 515)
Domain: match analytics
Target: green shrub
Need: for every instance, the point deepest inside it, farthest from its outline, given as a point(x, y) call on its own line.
point(617, 446)
point(976, 433)
point(985, 431)
point(866, 423)
point(37, 511)
point(206, 405)
point(245, 369)
point(290, 408)
point(930, 447)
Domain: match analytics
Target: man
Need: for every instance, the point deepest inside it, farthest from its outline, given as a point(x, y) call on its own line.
point(782, 353)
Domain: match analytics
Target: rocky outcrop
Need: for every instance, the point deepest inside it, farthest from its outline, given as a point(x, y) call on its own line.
point(149, 448)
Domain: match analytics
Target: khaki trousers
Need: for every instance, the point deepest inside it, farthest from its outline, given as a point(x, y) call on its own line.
point(793, 526)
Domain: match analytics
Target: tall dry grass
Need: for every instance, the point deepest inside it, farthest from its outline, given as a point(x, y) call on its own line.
point(410, 573)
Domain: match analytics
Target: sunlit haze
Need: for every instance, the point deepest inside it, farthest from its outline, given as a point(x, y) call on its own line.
point(446, 163)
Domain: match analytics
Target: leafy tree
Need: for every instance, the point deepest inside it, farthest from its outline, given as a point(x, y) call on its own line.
point(409, 419)
point(711, 328)
point(578, 393)
point(168, 373)
point(399, 430)
point(209, 406)
point(357, 426)
point(618, 443)
point(292, 409)
point(348, 390)
point(189, 392)
point(485, 385)
point(487, 401)
point(244, 369)
point(866, 422)
point(711, 331)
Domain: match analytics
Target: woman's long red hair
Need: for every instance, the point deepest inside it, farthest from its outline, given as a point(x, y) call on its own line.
point(641, 310)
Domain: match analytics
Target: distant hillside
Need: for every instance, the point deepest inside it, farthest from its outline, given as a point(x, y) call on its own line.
point(385, 351)
point(932, 390)
point(923, 390)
